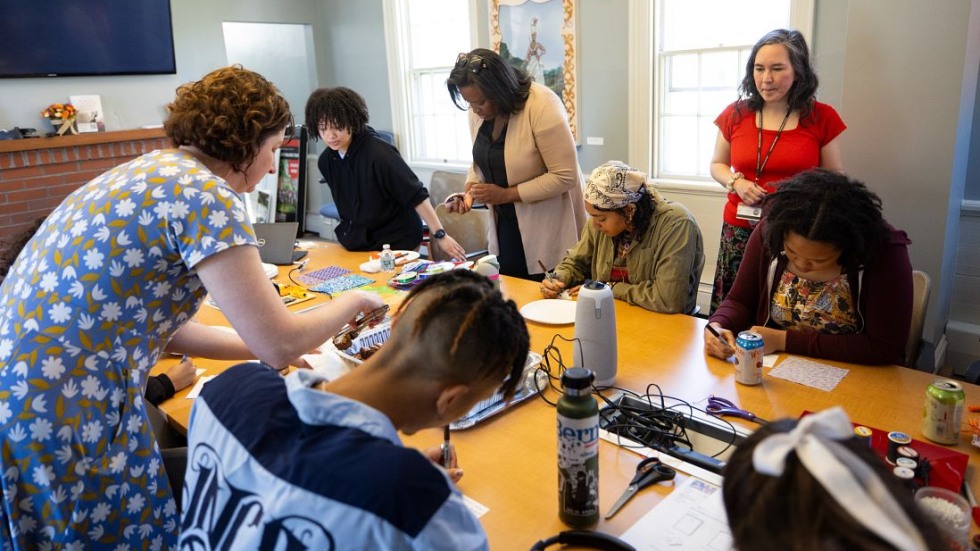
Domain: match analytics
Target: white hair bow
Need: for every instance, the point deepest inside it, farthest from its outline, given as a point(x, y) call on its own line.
point(847, 478)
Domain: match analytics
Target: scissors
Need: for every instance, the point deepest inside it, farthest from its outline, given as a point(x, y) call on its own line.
point(718, 406)
point(649, 471)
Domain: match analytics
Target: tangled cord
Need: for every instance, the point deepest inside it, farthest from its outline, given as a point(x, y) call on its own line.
point(654, 425)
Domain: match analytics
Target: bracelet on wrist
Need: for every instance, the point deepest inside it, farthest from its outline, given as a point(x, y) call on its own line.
point(730, 185)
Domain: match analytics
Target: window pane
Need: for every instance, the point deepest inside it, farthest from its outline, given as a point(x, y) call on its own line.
point(436, 122)
point(683, 25)
point(681, 103)
point(680, 146)
point(719, 69)
point(682, 71)
point(439, 30)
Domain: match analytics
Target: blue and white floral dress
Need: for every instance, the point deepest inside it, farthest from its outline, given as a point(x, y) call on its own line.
point(85, 312)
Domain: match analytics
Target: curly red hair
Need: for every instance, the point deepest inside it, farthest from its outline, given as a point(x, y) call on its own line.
point(227, 115)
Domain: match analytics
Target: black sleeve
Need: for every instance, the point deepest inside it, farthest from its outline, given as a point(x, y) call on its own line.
point(158, 389)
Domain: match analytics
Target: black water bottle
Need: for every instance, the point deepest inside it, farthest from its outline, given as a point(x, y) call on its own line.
point(578, 450)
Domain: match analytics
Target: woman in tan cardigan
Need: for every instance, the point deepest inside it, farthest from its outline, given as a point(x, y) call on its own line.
point(525, 166)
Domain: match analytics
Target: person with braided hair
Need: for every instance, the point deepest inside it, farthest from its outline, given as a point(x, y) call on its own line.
point(824, 275)
point(321, 460)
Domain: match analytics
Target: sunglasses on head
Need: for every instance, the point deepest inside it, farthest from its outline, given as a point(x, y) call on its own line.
point(473, 63)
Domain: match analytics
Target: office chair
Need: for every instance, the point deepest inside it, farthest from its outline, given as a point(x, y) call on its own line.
point(920, 301)
point(469, 230)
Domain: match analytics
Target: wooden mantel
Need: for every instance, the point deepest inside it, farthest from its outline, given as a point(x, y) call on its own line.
point(33, 144)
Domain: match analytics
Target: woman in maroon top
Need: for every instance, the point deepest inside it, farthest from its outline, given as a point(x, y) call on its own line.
point(776, 129)
point(824, 276)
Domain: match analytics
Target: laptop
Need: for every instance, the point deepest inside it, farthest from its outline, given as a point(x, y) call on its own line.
point(277, 241)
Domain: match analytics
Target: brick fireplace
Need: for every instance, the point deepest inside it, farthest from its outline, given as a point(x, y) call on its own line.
point(37, 174)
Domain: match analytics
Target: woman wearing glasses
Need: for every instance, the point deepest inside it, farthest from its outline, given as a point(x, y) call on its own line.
point(775, 130)
point(525, 166)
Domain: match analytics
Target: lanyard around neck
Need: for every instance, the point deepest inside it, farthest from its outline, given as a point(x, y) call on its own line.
point(760, 163)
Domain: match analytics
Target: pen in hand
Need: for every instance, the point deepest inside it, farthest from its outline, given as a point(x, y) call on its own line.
point(447, 449)
point(711, 329)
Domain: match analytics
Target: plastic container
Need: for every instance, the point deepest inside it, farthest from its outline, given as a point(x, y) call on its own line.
point(950, 512)
point(387, 259)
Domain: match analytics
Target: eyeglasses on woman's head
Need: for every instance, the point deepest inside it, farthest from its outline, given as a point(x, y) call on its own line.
point(473, 63)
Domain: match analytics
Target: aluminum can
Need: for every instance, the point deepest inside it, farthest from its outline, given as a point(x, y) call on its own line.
point(943, 412)
point(748, 358)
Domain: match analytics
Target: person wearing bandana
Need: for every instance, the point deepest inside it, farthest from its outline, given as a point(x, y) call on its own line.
point(648, 249)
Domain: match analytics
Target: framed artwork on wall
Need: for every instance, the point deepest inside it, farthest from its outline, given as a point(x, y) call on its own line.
point(538, 36)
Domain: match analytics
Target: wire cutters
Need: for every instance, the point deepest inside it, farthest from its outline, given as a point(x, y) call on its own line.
point(649, 471)
point(718, 407)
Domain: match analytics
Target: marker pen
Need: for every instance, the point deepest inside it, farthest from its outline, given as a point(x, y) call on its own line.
point(447, 448)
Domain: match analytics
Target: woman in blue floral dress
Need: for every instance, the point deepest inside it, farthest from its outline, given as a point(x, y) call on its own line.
point(107, 285)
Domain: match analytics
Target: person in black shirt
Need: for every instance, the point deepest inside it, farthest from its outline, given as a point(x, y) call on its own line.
point(379, 199)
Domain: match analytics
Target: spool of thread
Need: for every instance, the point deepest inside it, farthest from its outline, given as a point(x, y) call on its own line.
point(863, 434)
point(897, 440)
point(904, 473)
point(907, 462)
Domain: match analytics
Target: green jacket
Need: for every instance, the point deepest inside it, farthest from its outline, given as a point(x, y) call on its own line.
point(664, 267)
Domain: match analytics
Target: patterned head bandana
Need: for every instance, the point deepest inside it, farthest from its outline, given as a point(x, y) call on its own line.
point(613, 185)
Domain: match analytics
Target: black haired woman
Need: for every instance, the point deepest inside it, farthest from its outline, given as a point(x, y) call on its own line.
point(823, 275)
point(525, 166)
point(775, 130)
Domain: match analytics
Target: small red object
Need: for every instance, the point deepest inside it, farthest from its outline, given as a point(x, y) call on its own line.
point(973, 409)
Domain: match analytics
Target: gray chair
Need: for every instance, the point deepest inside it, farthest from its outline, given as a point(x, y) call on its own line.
point(920, 302)
point(445, 183)
point(469, 230)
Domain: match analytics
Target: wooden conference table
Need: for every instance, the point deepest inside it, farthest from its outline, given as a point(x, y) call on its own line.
point(510, 461)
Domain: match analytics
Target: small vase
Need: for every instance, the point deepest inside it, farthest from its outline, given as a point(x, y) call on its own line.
point(62, 126)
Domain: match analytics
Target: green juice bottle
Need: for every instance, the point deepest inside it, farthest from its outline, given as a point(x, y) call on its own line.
point(578, 450)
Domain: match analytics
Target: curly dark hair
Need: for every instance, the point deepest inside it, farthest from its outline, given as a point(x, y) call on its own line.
point(506, 87)
point(339, 107)
point(794, 511)
point(227, 115)
point(801, 93)
point(468, 324)
point(643, 214)
point(826, 206)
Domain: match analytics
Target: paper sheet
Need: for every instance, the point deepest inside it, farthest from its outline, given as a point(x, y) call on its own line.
point(809, 373)
point(691, 517)
point(198, 386)
point(478, 509)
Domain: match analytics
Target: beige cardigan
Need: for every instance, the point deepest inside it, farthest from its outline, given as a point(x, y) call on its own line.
point(541, 159)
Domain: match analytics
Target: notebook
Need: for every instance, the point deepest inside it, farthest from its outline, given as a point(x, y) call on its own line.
point(276, 242)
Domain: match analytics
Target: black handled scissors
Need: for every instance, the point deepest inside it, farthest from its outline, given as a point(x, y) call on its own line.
point(718, 406)
point(649, 471)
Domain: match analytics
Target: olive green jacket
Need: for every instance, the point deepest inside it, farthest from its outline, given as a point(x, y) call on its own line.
point(664, 267)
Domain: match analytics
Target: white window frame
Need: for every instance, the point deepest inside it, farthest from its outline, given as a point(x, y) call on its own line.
point(644, 87)
point(399, 77)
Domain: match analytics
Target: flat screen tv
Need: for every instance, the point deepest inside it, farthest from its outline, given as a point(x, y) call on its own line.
point(56, 38)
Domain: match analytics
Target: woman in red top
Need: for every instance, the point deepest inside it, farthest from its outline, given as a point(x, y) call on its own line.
point(775, 130)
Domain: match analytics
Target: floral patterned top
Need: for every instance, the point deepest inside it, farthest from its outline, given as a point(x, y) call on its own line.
point(85, 312)
point(815, 306)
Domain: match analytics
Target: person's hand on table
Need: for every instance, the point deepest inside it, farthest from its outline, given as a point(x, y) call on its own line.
point(434, 454)
point(452, 249)
point(551, 288)
point(490, 194)
point(459, 202)
point(183, 374)
point(715, 347)
point(774, 339)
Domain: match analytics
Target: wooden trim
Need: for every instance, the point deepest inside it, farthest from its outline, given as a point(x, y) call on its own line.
point(94, 138)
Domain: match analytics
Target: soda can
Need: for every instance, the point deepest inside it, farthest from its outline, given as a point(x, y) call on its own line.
point(748, 355)
point(943, 411)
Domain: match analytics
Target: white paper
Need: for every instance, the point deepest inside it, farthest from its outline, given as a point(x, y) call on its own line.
point(198, 386)
point(478, 509)
point(327, 364)
point(769, 360)
point(809, 373)
point(691, 517)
